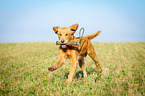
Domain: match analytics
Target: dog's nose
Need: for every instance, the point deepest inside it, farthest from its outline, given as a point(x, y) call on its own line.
point(62, 41)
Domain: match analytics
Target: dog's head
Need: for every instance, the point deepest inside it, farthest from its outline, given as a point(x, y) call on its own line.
point(65, 34)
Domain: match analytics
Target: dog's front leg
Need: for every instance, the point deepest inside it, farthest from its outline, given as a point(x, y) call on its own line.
point(59, 63)
point(74, 61)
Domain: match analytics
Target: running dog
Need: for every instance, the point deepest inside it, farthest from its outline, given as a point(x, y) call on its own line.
point(75, 52)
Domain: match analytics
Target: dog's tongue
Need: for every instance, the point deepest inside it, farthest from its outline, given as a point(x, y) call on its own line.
point(63, 46)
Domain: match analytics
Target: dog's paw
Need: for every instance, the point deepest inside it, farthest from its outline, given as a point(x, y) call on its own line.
point(67, 82)
point(100, 70)
point(51, 68)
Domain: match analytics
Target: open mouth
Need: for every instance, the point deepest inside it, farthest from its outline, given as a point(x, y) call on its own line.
point(63, 45)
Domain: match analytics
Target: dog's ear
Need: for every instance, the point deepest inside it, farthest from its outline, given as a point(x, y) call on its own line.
point(55, 29)
point(74, 27)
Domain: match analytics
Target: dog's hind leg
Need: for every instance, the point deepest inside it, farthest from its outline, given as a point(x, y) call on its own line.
point(82, 66)
point(92, 54)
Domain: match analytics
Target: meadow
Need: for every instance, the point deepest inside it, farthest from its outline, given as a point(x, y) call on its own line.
point(23, 70)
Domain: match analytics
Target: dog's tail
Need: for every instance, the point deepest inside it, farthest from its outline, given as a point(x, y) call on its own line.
point(93, 35)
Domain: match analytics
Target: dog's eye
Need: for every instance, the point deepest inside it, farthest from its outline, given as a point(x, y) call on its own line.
point(66, 34)
point(59, 34)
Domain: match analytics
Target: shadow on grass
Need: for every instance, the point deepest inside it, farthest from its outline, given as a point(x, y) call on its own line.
point(79, 74)
point(4, 91)
point(90, 72)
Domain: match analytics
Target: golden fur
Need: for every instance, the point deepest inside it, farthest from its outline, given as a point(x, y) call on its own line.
point(75, 53)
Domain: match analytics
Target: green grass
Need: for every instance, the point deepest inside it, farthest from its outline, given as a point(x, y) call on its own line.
point(23, 70)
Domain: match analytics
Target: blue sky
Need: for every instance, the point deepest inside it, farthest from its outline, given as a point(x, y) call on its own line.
point(33, 20)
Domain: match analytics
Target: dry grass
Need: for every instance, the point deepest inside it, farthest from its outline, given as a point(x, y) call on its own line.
point(24, 71)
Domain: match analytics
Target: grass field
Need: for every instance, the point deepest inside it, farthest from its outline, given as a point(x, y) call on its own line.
point(23, 70)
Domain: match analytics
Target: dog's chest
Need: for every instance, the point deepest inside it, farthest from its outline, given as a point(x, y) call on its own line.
point(68, 52)
point(69, 55)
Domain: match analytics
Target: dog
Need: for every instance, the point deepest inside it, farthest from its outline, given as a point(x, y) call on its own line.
point(75, 52)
